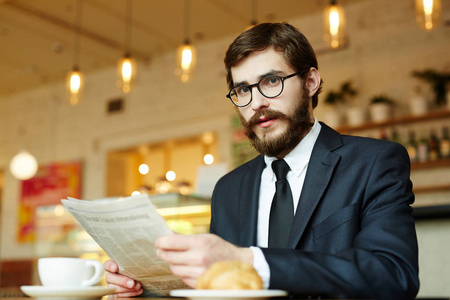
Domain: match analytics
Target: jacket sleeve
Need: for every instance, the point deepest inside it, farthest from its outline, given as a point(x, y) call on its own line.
point(382, 261)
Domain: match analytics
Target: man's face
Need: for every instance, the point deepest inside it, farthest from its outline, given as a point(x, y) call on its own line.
point(274, 125)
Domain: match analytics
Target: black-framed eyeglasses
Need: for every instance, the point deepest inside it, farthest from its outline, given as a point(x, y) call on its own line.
point(270, 86)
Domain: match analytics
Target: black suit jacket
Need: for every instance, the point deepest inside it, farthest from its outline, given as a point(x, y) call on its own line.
point(353, 234)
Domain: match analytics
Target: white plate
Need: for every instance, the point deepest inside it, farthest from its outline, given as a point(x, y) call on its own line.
point(73, 292)
point(227, 294)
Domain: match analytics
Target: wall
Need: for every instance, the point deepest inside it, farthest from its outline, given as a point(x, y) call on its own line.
point(385, 45)
point(433, 237)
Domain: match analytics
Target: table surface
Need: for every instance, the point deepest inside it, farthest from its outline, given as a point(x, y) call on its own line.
point(16, 294)
point(113, 297)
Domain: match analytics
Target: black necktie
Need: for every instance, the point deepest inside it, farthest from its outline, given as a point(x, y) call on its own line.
point(282, 210)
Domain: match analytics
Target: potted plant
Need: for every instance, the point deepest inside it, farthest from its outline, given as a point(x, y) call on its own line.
point(439, 82)
point(418, 104)
point(380, 108)
point(354, 112)
point(332, 110)
point(334, 99)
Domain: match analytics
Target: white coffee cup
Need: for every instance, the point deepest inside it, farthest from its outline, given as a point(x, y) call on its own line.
point(69, 272)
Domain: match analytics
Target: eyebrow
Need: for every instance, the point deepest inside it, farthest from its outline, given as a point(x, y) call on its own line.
point(271, 72)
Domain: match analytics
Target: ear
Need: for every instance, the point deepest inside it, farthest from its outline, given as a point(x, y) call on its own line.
point(313, 81)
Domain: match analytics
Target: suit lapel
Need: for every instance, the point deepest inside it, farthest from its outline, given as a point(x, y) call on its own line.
point(318, 175)
point(248, 202)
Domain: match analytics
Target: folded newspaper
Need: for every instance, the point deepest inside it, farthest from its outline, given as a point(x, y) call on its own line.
point(126, 229)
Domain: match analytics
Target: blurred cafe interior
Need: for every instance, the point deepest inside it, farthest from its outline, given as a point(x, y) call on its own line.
point(102, 98)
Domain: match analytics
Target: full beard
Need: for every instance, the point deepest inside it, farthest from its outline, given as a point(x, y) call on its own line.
point(299, 124)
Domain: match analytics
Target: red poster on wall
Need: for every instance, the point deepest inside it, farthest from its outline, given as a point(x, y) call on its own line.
point(51, 184)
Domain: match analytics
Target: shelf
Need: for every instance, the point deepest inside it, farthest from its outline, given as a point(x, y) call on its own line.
point(433, 115)
point(441, 163)
point(432, 189)
point(402, 120)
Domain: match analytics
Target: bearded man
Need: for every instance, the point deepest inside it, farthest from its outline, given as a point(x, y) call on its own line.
point(336, 224)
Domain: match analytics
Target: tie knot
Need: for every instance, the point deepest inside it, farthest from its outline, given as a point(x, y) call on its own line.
point(280, 168)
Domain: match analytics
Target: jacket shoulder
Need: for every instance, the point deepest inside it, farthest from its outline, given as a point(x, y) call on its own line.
point(242, 170)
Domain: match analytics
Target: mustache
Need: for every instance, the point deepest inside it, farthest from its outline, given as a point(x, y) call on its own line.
point(272, 114)
point(268, 113)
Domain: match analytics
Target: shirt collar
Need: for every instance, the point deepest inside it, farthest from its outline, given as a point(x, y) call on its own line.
point(299, 157)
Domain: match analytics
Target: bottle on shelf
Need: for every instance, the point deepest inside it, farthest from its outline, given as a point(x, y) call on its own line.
point(383, 134)
point(411, 147)
point(422, 149)
point(433, 147)
point(395, 137)
point(444, 144)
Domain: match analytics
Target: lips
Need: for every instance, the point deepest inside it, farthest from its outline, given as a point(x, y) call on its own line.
point(265, 121)
point(263, 118)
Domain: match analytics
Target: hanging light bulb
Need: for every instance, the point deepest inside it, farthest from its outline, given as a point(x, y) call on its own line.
point(334, 25)
point(186, 53)
point(186, 61)
point(428, 13)
point(75, 84)
point(23, 165)
point(126, 73)
point(126, 68)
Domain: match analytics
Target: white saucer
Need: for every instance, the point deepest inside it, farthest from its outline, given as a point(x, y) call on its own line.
point(227, 294)
point(73, 292)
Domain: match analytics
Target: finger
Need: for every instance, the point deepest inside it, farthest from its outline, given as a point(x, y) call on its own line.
point(111, 266)
point(126, 293)
point(122, 281)
point(190, 282)
point(174, 242)
point(188, 257)
point(130, 294)
point(186, 272)
point(122, 290)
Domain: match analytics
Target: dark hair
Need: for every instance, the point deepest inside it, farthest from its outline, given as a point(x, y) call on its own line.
point(285, 38)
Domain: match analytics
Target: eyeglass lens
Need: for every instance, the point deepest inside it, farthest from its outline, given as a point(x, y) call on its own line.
point(270, 87)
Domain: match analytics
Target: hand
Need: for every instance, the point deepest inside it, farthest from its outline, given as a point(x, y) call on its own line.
point(125, 286)
point(190, 255)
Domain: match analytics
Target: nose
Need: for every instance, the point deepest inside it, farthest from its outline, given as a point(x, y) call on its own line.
point(258, 100)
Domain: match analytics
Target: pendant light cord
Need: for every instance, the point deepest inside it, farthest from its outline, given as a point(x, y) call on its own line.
point(77, 30)
point(253, 20)
point(186, 21)
point(129, 8)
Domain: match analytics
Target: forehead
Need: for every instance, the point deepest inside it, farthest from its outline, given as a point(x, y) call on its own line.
point(259, 63)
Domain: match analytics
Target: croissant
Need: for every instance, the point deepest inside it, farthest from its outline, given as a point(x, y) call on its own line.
point(230, 275)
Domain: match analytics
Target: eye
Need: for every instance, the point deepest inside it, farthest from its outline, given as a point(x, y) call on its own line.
point(271, 81)
point(242, 90)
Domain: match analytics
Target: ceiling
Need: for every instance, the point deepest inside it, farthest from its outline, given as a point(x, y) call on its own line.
point(38, 37)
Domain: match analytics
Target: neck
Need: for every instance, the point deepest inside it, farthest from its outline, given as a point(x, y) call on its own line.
point(288, 150)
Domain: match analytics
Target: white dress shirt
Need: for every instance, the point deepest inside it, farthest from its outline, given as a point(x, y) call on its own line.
point(297, 160)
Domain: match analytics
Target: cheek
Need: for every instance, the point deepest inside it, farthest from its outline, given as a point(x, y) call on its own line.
point(245, 113)
point(286, 106)
point(289, 103)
